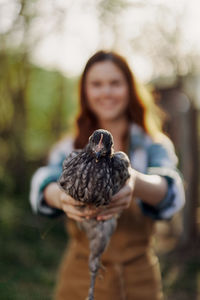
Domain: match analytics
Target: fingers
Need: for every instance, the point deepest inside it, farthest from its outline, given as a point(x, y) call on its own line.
point(74, 213)
point(104, 217)
point(77, 210)
point(74, 217)
point(67, 199)
point(121, 202)
point(124, 192)
point(114, 209)
point(108, 214)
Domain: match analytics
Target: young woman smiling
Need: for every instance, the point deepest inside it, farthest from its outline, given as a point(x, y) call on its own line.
point(110, 99)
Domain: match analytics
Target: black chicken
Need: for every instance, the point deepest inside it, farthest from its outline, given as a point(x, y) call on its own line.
point(93, 175)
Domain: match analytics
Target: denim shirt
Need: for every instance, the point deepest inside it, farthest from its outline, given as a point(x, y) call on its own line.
point(146, 156)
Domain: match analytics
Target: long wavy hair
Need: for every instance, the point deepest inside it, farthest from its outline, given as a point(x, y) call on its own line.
point(141, 108)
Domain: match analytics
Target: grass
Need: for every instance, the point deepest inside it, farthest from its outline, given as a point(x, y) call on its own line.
point(30, 252)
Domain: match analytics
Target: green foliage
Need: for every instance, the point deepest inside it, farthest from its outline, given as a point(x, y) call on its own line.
point(51, 109)
point(37, 107)
point(31, 249)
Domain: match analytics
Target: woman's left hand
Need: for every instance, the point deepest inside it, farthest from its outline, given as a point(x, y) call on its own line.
point(119, 201)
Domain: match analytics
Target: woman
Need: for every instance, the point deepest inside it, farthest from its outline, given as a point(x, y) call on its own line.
point(109, 99)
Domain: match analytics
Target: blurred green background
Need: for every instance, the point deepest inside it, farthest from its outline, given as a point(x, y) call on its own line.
point(38, 103)
point(34, 112)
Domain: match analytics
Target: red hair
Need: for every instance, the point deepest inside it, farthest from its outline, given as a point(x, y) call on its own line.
point(137, 110)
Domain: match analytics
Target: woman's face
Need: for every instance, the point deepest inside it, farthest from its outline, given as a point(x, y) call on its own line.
point(107, 91)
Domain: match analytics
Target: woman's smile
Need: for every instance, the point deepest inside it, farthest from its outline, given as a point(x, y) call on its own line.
point(107, 91)
point(107, 103)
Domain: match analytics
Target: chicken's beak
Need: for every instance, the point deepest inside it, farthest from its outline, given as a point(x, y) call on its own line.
point(97, 154)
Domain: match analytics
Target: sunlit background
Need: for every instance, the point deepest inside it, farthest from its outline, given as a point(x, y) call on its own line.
point(44, 45)
point(158, 37)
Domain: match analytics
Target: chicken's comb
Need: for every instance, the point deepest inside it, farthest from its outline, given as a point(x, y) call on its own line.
point(100, 141)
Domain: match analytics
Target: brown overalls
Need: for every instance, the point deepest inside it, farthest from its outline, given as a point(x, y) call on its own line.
point(131, 268)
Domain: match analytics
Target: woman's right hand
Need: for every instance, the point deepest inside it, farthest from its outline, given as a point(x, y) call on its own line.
point(76, 210)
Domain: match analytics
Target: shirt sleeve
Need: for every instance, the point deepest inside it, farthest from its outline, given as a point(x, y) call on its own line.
point(162, 161)
point(46, 175)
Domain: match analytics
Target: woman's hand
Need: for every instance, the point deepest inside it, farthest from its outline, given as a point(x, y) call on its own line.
point(76, 210)
point(119, 201)
point(55, 197)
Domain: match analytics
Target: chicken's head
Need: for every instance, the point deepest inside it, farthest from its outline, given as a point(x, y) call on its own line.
point(101, 143)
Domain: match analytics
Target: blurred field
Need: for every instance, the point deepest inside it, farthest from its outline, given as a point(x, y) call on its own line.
point(31, 248)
